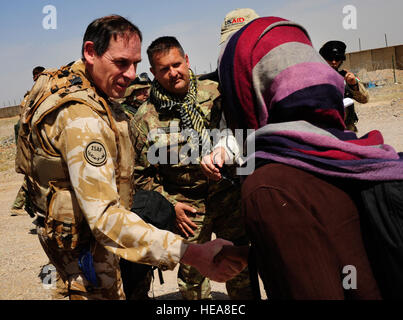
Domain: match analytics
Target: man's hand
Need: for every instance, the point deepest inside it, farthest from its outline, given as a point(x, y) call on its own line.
point(221, 269)
point(182, 220)
point(209, 162)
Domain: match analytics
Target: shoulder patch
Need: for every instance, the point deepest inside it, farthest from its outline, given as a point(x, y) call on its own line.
point(95, 153)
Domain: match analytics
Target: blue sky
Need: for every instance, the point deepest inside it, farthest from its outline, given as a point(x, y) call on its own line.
point(196, 24)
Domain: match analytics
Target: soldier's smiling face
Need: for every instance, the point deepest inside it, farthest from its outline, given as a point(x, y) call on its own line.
point(113, 71)
point(171, 70)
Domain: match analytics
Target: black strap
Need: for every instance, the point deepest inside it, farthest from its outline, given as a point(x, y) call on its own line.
point(160, 276)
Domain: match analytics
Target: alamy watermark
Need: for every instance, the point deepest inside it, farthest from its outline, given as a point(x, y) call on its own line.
point(350, 280)
point(50, 20)
point(350, 18)
point(48, 276)
point(172, 146)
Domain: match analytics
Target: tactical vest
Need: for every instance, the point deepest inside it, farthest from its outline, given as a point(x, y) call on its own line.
point(46, 172)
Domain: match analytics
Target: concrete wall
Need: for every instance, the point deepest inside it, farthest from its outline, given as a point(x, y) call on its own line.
point(375, 59)
point(7, 112)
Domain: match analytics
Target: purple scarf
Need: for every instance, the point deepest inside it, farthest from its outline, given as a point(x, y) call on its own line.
point(273, 80)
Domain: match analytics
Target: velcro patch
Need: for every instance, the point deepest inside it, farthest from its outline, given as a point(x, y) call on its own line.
point(95, 153)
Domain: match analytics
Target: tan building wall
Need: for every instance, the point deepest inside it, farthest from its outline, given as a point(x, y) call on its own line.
point(7, 112)
point(375, 59)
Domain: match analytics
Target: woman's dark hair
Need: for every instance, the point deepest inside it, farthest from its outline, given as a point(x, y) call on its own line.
point(102, 29)
point(163, 44)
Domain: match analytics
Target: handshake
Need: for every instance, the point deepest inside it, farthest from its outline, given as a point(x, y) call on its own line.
point(218, 260)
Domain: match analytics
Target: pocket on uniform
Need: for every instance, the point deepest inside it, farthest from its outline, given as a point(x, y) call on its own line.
point(63, 218)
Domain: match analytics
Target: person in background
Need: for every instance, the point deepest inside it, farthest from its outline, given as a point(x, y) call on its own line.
point(136, 94)
point(17, 207)
point(334, 52)
point(227, 147)
point(235, 20)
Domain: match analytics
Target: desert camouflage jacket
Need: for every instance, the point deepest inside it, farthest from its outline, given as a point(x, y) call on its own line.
point(361, 95)
point(92, 185)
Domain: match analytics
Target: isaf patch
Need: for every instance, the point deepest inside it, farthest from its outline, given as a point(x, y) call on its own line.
point(95, 153)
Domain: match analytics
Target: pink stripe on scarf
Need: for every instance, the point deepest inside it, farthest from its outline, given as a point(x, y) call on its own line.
point(290, 80)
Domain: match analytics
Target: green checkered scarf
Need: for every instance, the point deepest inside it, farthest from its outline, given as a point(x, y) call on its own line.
point(191, 114)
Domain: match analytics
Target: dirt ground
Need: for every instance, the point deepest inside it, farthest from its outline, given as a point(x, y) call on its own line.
point(22, 256)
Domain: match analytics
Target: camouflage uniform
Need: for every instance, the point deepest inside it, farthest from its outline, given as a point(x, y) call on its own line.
point(76, 153)
point(130, 104)
point(362, 96)
point(19, 202)
point(131, 108)
point(217, 204)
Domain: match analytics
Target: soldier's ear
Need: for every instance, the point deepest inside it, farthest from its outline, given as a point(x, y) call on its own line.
point(152, 71)
point(89, 52)
point(187, 60)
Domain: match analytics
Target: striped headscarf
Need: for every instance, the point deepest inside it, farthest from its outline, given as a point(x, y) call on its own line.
point(191, 115)
point(274, 81)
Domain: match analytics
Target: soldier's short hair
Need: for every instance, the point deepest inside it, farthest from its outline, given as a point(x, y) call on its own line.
point(37, 70)
point(102, 29)
point(163, 45)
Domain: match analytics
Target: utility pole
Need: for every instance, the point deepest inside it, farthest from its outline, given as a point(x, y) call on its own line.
point(394, 72)
point(359, 43)
point(386, 40)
